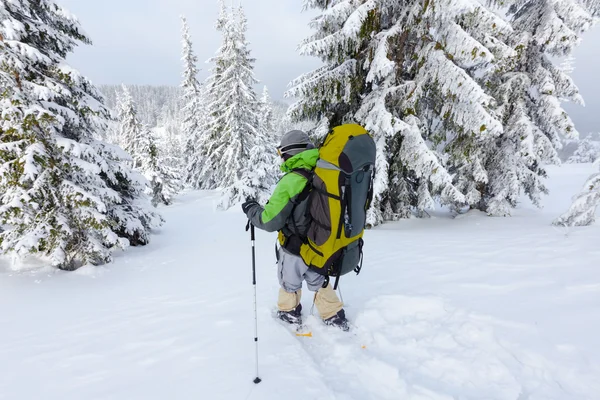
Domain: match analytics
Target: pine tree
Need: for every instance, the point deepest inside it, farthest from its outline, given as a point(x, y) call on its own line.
point(268, 141)
point(529, 90)
point(237, 107)
point(131, 130)
point(163, 180)
point(113, 133)
point(156, 107)
point(568, 65)
point(260, 172)
point(64, 194)
point(266, 121)
point(587, 152)
point(407, 71)
point(232, 113)
point(192, 113)
point(201, 173)
point(146, 157)
point(583, 210)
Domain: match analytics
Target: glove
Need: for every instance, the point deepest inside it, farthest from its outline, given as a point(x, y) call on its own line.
point(248, 204)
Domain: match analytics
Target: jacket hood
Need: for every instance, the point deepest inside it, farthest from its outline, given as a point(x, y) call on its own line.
point(307, 160)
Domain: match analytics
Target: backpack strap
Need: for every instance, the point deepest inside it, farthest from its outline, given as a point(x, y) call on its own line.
point(302, 196)
point(308, 175)
point(361, 243)
point(294, 239)
point(304, 172)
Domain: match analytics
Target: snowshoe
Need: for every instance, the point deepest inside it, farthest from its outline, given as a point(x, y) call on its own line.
point(293, 317)
point(339, 320)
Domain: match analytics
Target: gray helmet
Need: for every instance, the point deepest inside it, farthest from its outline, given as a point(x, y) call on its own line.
point(294, 142)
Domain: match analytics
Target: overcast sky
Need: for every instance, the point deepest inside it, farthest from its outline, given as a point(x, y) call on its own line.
point(139, 42)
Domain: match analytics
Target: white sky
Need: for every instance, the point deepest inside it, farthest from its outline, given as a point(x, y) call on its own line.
point(139, 42)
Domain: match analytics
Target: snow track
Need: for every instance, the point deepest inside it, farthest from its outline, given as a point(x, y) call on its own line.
point(467, 309)
point(422, 348)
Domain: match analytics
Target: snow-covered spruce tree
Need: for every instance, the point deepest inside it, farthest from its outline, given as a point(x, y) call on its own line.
point(255, 179)
point(268, 139)
point(458, 129)
point(405, 70)
point(529, 89)
point(168, 137)
point(233, 116)
point(260, 174)
point(587, 151)
point(146, 156)
point(233, 106)
point(131, 130)
point(266, 121)
point(201, 170)
point(157, 107)
point(63, 194)
point(568, 65)
point(585, 204)
point(163, 180)
point(192, 113)
point(113, 134)
point(169, 144)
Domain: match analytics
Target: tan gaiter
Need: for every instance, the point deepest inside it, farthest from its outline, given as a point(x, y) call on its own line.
point(288, 301)
point(327, 302)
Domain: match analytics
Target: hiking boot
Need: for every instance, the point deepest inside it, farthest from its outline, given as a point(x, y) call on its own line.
point(338, 320)
point(291, 317)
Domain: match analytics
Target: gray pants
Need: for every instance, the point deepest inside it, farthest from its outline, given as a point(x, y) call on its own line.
point(292, 271)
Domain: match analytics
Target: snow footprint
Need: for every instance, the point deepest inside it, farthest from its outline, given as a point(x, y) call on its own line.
point(449, 352)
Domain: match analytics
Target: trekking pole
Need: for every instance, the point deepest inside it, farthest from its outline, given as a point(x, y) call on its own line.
point(257, 380)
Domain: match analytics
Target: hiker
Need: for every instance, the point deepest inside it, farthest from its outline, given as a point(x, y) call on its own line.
point(286, 212)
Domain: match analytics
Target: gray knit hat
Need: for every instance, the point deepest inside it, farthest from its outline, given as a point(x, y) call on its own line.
point(294, 142)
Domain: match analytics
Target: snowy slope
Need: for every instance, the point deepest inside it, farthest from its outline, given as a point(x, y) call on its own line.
point(473, 308)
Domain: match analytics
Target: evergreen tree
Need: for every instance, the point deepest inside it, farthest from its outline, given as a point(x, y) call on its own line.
point(113, 132)
point(63, 194)
point(163, 180)
point(268, 141)
point(167, 140)
point(529, 90)
point(587, 152)
point(463, 103)
point(146, 156)
point(202, 173)
point(157, 106)
point(568, 65)
point(237, 108)
point(192, 112)
point(407, 71)
point(266, 121)
point(260, 173)
point(583, 210)
point(255, 179)
point(232, 114)
point(131, 130)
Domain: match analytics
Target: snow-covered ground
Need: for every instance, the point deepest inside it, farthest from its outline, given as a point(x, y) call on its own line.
point(471, 308)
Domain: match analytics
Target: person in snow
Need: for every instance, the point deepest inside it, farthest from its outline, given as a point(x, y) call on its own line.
point(286, 212)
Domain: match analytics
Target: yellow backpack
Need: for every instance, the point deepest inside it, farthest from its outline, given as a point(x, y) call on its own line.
point(341, 193)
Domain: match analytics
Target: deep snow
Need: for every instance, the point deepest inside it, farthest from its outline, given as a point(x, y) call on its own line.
point(467, 308)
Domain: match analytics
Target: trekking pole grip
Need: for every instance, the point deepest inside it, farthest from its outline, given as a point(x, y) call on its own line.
point(252, 239)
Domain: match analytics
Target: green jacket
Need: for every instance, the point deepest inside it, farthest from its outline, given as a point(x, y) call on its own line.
point(276, 214)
